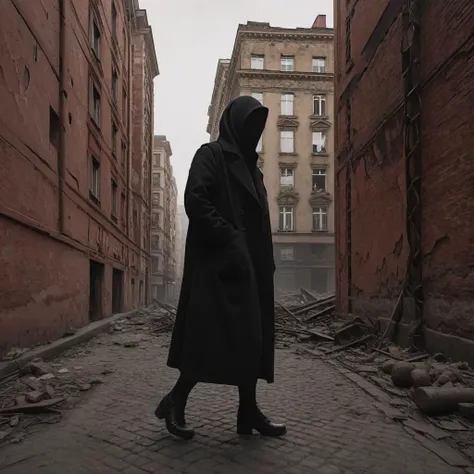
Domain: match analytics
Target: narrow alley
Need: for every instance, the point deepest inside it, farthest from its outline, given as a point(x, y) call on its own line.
point(113, 383)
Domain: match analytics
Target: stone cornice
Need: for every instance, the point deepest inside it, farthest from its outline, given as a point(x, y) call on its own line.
point(293, 35)
point(288, 75)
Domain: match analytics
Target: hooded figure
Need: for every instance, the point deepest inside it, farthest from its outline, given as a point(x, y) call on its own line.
point(224, 328)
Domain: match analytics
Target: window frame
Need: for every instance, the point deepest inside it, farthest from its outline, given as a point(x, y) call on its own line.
point(113, 195)
point(317, 68)
point(284, 100)
point(257, 57)
point(323, 173)
point(95, 91)
point(323, 219)
point(285, 61)
point(282, 141)
point(286, 175)
point(321, 101)
point(94, 177)
point(324, 148)
point(95, 39)
point(284, 211)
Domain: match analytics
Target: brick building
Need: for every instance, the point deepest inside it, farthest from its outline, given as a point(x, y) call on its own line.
point(74, 164)
point(404, 206)
point(163, 222)
point(290, 70)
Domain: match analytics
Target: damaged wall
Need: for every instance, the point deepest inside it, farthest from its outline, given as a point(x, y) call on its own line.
point(372, 247)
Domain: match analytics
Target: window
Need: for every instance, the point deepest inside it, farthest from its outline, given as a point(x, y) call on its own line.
point(258, 96)
point(154, 264)
point(95, 39)
point(156, 179)
point(287, 141)
point(286, 254)
point(319, 65)
point(124, 153)
point(287, 178)
point(319, 179)
point(259, 148)
point(156, 159)
point(114, 21)
point(287, 102)
point(287, 63)
point(155, 199)
point(320, 219)
point(114, 198)
point(95, 105)
point(319, 142)
point(155, 242)
point(319, 105)
point(114, 139)
point(114, 85)
point(154, 219)
point(257, 61)
point(94, 178)
point(123, 214)
point(124, 104)
point(286, 219)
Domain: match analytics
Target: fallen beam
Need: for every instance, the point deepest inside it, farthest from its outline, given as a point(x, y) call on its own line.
point(325, 311)
point(441, 400)
point(32, 407)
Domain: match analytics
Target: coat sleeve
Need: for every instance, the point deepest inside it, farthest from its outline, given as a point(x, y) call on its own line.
point(199, 202)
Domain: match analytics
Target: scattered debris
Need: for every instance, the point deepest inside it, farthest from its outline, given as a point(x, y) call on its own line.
point(37, 369)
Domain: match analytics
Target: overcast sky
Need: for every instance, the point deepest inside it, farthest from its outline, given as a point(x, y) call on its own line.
point(190, 36)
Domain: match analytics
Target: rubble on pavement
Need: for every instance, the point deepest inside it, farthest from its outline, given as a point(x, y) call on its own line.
point(430, 395)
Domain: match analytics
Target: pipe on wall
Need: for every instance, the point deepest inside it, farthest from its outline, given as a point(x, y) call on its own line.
point(62, 114)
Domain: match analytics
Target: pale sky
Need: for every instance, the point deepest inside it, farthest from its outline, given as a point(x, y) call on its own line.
point(190, 37)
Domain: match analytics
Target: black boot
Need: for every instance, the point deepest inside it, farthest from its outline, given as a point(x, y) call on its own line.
point(173, 414)
point(249, 419)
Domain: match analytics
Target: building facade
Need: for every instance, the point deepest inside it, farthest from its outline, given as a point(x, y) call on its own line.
point(290, 71)
point(163, 222)
point(183, 223)
point(70, 253)
point(404, 168)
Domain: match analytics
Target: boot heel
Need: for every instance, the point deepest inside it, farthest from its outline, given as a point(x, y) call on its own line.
point(160, 412)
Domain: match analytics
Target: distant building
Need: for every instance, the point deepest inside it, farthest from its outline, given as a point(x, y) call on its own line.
point(75, 164)
point(163, 222)
point(183, 231)
point(291, 72)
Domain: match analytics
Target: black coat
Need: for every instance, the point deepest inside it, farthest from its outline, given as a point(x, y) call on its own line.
point(224, 329)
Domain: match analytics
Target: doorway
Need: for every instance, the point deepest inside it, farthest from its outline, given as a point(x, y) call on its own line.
point(96, 280)
point(117, 291)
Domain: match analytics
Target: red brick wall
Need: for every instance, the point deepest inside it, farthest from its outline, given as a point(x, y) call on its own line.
point(44, 267)
point(375, 86)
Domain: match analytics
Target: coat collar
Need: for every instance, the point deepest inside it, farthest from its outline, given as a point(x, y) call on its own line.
point(241, 172)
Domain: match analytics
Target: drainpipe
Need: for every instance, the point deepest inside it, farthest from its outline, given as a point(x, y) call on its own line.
point(62, 114)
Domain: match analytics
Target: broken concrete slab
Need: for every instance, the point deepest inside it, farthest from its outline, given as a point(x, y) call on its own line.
point(35, 396)
point(426, 428)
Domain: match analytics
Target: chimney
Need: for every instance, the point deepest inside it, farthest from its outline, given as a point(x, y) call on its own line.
point(320, 22)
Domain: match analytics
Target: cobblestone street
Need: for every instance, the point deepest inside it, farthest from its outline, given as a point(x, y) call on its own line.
point(333, 424)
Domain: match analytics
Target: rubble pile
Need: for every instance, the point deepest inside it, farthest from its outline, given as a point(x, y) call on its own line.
point(39, 394)
point(153, 319)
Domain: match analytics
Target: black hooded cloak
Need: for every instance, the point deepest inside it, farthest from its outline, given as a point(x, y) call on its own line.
point(224, 328)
